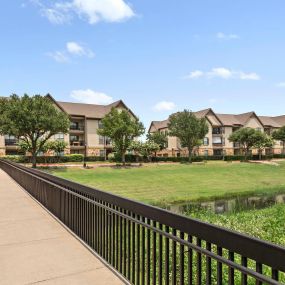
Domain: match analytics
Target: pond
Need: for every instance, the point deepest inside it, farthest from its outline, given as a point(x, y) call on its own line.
point(231, 205)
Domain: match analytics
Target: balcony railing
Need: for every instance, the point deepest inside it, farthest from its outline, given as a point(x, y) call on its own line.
point(149, 245)
point(11, 142)
point(77, 143)
point(77, 128)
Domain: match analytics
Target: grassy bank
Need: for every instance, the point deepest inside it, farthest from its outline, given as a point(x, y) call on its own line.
point(267, 224)
point(167, 184)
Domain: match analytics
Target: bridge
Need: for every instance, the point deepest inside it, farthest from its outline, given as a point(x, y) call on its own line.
point(35, 248)
point(101, 235)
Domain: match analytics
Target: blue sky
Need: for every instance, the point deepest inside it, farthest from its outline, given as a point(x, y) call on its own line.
point(158, 56)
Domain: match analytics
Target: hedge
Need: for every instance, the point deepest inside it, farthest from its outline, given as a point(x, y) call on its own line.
point(132, 158)
point(53, 159)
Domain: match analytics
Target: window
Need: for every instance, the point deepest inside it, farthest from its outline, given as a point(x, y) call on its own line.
point(206, 152)
point(218, 152)
point(74, 125)
point(74, 138)
point(10, 137)
point(217, 131)
point(59, 137)
point(100, 125)
point(101, 140)
point(108, 141)
point(10, 140)
point(206, 141)
point(217, 140)
point(102, 152)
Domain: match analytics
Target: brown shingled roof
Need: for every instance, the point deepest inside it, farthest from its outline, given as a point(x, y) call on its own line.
point(269, 121)
point(89, 110)
point(233, 120)
point(229, 119)
point(280, 120)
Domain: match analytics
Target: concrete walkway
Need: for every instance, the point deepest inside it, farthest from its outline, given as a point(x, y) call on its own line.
point(36, 249)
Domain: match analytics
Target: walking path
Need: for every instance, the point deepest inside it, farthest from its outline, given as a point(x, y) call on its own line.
point(36, 249)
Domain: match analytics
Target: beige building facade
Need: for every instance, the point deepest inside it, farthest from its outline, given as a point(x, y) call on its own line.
point(82, 138)
point(221, 126)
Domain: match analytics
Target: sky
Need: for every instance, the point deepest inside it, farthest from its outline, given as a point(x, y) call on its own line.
point(158, 56)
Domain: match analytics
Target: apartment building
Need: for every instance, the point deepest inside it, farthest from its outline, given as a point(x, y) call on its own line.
point(85, 120)
point(216, 142)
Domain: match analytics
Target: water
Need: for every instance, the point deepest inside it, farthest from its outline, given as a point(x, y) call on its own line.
point(231, 205)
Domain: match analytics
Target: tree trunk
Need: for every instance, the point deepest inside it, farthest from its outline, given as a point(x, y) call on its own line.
point(245, 154)
point(190, 150)
point(34, 160)
point(124, 158)
point(260, 154)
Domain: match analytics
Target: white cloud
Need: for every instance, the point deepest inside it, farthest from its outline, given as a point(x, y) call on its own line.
point(223, 73)
point(59, 56)
point(195, 74)
point(92, 10)
point(249, 76)
point(91, 97)
point(281, 84)
point(224, 36)
point(79, 50)
point(72, 49)
point(220, 72)
point(164, 106)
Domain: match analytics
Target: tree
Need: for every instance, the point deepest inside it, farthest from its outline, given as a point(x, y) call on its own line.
point(136, 147)
point(189, 129)
point(246, 137)
point(33, 120)
point(148, 148)
point(58, 147)
point(262, 142)
point(158, 138)
point(280, 135)
point(121, 128)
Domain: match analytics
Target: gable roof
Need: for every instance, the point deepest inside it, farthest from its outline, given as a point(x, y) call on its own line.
point(91, 110)
point(270, 121)
point(229, 119)
point(232, 119)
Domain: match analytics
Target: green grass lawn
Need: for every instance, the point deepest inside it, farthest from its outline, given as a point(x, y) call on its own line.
point(167, 184)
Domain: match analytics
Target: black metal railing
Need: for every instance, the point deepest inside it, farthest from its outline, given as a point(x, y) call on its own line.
point(77, 143)
point(76, 128)
point(11, 142)
point(149, 245)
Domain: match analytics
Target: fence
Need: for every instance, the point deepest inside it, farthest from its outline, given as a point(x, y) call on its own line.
point(149, 245)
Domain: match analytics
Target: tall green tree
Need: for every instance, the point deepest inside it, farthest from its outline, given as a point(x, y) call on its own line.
point(262, 142)
point(121, 128)
point(280, 136)
point(247, 138)
point(33, 119)
point(158, 138)
point(189, 129)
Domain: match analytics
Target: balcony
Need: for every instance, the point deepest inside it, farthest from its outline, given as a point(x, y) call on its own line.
point(76, 129)
point(77, 144)
point(237, 145)
point(11, 142)
point(217, 131)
